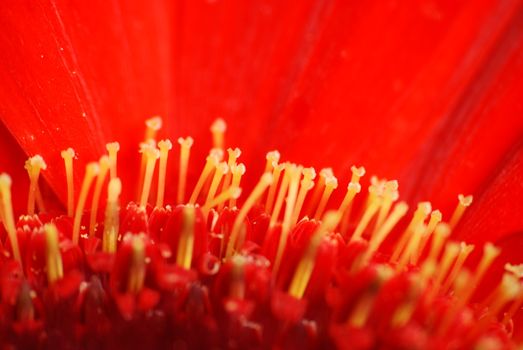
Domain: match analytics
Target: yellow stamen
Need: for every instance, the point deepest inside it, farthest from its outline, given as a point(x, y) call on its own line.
point(104, 164)
point(68, 156)
point(465, 250)
point(294, 181)
point(153, 125)
point(151, 154)
point(352, 190)
point(111, 224)
point(368, 214)
point(54, 267)
point(33, 166)
point(271, 194)
point(281, 196)
point(39, 200)
point(435, 219)
point(237, 173)
point(423, 210)
point(262, 185)
point(211, 162)
point(220, 170)
point(390, 195)
point(517, 271)
point(8, 217)
point(305, 186)
point(441, 233)
point(410, 247)
point(304, 270)
point(331, 183)
point(91, 170)
point(357, 174)
point(449, 255)
point(232, 193)
point(185, 151)
point(186, 244)
point(112, 150)
point(318, 190)
point(137, 266)
point(234, 154)
point(490, 252)
point(272, 157)
point(218, 129)
point(165, 146)
point(460, 284)
point(463, 204)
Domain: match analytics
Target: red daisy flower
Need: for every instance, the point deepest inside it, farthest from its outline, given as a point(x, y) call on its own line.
point(175, 246)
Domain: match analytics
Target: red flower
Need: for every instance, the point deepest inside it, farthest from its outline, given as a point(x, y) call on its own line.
point(424, 92)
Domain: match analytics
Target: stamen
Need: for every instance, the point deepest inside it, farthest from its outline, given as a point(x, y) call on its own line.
point(137, 266)
point(352, 190)
point(262, 185)
point(357, 174)
point(153, 125)
point(186, 244)
point(185, 151)
point(449, 255)
point(331, 183)
point(411, 247)
point(218, 129)
point(33, 166)
point(517, 271)
point(237, 287)
point(151, 154)
point(68, 156)
point(272, 157)
point(232, 193)
point(112, 149)
point(54, 265)
point(294, 181)
point(435, 219)
point(465, 250)
point(390, 195)
point(368, 214)
point(318, 190)
point(231, 161)
point(210, 164)
point(305, 186)
point(8, 217)
point(112, 218)
point(237, 173)
point(91, 170)
point(271, 194)
point(165, 146)
point(463, 204)
point(423, 210)
point(104, 164)
point(305, 267)
point(281, 196)
point(441, 233)
point(220, 170)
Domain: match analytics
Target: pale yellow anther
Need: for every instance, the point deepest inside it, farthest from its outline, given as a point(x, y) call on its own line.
point(151, 155)
point(91, 171)
point(210, 164)
point(152, 126)
point(112, 150)
point(357, 173)
point(272, 157)
point(54, 265)
point(463, 203)
point(304, 270)
point(294, 182)
point(218, 129)
point(104, 164)
point(234, 154)
point(185, 152)
point(137, 266)
point(421, 213)
point(390, 194)
point(220, 170)
point(68, 156)
point(306, 185)
point(516, 270)
point(237, 171)
point(112, 220)
point(33, 166)
point(318, 190)
point(331, 183)
point(271, 194)
point(258, 190)
point(165, 146)
point(8, 216)
point(186, 243)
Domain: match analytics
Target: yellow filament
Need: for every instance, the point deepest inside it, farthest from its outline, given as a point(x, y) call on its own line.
point(54, 265)
point(352, 190)
point(318, 190)
point(423, 210)
point(151, 155)
point(331, 183)
point(8, 217)
point(210, 164)
point(411, 247)
point(305, 267)
point(464, 252)
point(111, 224)
point(305, 186)
point(490, 252)
point(152, 126)
point(281, 197)
point(185, 151)
point(435, 219)
point(165, 146)
point(104, 164)
point(186, 244)
point(91, 170)
point(234, 154)
point(294, 181)
point(237, 173)
point(390, 194)
point(262, 185)
point(369, 213)
point(449, 255)
point(441, 233)
point(220, 171)
point(68, 156)
point(237, 287)
point(218, 129)
point(39, 199)
point(137, 266)
point(232, 193)
point(463, 204)
point(276, 173)
point(112, 150)
point(33, 166)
